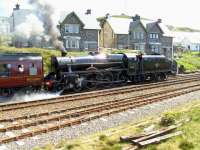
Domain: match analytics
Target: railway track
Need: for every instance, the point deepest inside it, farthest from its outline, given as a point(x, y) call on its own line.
point(93, 94)
point(54, 120)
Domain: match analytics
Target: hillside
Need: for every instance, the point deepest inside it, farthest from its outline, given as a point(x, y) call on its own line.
point(181, 29)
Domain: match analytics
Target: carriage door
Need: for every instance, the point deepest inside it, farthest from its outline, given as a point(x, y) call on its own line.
point(20, 74)
point(139, 69)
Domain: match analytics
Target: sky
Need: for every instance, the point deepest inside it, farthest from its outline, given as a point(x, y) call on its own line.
point(174, 12)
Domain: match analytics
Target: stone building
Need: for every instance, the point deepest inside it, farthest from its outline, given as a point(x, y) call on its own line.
point(114, 32)
point(5, 37)
point(79, 31)
point(135, 33)
point(4, 26)
point(18, 16)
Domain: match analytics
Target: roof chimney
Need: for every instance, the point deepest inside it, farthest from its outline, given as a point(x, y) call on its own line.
point(17, 7)
point(88, 12)
point(159, 20)
point(137, 17)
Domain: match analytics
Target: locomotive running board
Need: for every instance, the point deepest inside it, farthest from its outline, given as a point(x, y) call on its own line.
point(104, 82)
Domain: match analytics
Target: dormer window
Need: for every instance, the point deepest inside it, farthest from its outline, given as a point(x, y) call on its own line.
point(153, 36)
point(71, 28)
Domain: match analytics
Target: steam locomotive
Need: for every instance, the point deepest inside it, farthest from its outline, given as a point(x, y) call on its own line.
point(22, 71)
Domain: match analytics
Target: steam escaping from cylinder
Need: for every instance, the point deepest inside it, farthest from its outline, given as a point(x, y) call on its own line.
point(34, 96)
point(45, 12)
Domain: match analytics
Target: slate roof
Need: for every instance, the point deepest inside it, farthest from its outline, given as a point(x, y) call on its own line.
point(186, 37)
point(119, 25)
point(89, 21)
point(136, 23)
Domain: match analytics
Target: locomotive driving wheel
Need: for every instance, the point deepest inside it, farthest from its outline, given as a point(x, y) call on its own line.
point(91, 83)
point(122, 77)
point(108, 77)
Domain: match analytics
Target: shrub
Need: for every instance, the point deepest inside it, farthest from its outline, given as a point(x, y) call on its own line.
point(186, 145)
point(70, 146)
point(111, 142)
point(168, 119)
point(103, 137)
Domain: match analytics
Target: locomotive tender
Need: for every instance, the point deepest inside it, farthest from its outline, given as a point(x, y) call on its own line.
point(22, 70)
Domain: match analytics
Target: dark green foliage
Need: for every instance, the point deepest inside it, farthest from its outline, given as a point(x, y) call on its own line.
point(103, 137)
point(186, 145)
point(168, 119)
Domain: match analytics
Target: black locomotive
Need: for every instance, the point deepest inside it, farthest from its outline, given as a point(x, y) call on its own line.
point(92, 71)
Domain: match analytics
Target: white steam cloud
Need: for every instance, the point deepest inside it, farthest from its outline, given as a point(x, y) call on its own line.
point(40, 25)
point(31, 27)
point(45, 12)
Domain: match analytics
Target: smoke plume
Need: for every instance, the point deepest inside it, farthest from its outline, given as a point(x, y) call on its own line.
point(31, 27)
point(44, 11)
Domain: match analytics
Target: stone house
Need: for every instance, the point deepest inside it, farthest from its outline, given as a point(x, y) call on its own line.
point(79, 31)
point(136, 33)
point(160, 39)
point(114, 32)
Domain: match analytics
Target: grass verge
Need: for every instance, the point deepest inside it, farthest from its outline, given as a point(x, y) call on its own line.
point(109, 139)
point(190, 61)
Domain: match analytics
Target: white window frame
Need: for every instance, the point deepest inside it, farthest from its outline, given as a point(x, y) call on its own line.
point(72, 43)
point(71, 28)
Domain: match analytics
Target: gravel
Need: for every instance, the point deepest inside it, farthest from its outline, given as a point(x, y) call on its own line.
point(102, 123)
point(53, 107)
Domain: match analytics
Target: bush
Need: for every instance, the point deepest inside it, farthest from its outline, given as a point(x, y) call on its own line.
point(70, 146)
point(168, 119)
point(186, 145)
point(103, 137)
point(182, 69)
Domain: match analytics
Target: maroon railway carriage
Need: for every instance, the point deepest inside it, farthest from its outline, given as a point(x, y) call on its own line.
point(20, 70)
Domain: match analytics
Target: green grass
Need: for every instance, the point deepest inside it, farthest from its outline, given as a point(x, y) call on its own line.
point(109, 139)
point(190, 61)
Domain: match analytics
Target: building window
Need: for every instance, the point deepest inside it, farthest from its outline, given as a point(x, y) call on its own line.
point(141, 35)
point(138, 35)
point(155, 49)
point(153, 36)
point(72, 43)
point(140, 47)
point(71, 28)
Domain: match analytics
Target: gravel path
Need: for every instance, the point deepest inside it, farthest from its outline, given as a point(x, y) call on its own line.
point(102, 123)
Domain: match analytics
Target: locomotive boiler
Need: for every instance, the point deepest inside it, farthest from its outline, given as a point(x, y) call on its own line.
point(85, 72)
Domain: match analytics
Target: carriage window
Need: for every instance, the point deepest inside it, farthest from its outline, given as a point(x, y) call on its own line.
point(5, 70)
point(20, 68)
point(32, 69)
